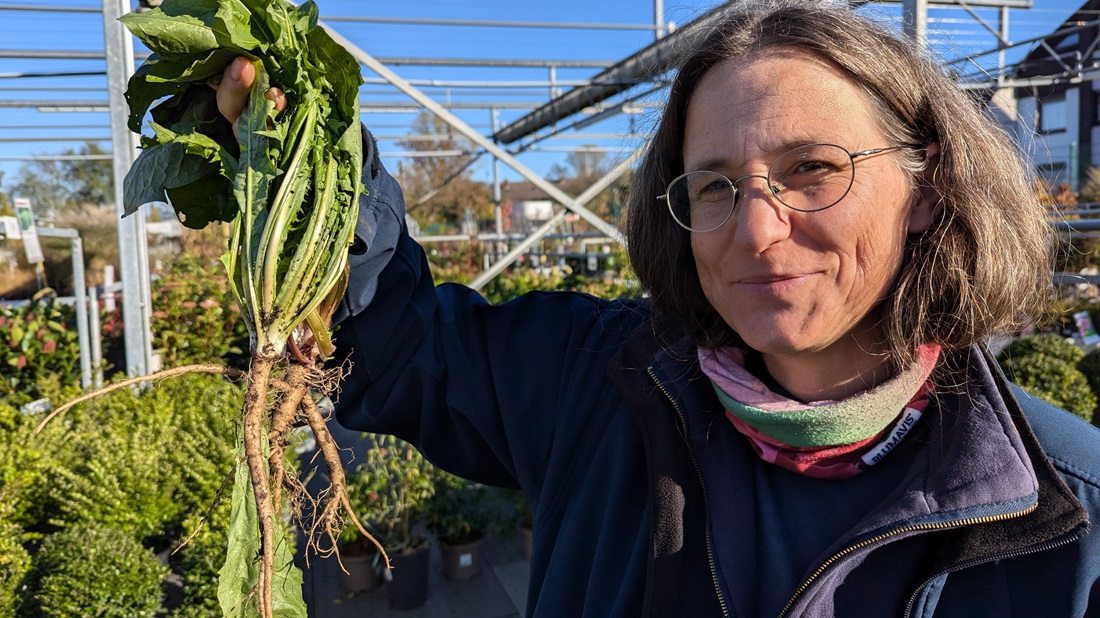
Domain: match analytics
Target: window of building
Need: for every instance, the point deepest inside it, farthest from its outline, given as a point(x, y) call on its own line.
point(1052, 115)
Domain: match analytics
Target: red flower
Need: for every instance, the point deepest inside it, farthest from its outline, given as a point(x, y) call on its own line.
point(50, 346)
point(21, 362)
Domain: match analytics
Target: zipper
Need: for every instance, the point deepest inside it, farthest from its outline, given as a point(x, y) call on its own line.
point(1066, 540)
point(970, 521)
point(706, 502)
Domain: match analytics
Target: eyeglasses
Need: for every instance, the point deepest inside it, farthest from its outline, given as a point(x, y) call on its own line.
point(807, 179)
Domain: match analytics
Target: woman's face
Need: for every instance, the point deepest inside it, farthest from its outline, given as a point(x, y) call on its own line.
point(795, 284)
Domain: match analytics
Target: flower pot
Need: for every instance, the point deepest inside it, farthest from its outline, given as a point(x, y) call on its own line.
point(461, 560)
point(408, 587)
point(360, 572)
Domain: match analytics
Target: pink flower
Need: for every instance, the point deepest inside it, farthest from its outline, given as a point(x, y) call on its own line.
point(50, 346)
point(21, 362)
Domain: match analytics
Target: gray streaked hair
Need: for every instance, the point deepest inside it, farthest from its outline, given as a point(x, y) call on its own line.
point(982, 267)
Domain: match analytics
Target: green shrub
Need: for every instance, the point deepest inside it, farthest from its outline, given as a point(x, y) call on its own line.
point(460, 511)
point(201, 560)
point(15, 562)
point(1047, 344)
point(39, 339)
point(93, 570)
point(1054, 380)
point(141, 462)
point(1090, 366)
point(192, 302)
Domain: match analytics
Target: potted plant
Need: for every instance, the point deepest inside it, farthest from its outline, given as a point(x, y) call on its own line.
point(396, 482)
point(460, 514)
point(360, 559)
point(524, 518)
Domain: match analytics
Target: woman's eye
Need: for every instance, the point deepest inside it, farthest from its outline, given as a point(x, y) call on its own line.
point(714, 189)
point(812, 167)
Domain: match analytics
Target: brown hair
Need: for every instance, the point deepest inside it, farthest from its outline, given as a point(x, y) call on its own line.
point(982, 267)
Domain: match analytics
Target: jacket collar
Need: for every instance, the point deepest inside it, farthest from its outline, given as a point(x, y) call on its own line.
point(985, 481)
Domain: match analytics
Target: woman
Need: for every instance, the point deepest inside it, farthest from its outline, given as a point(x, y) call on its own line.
point(801, 420)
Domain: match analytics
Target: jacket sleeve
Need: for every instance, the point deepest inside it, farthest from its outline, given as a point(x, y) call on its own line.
point(482, 390)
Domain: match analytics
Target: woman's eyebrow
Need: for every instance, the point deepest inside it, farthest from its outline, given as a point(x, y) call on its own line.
point(720, 162)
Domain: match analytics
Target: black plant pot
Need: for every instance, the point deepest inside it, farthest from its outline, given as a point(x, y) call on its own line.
point(360, 573)
point(461, 560)
point(409, 587)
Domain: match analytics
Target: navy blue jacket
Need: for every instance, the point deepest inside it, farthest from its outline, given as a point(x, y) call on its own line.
point(584, 404)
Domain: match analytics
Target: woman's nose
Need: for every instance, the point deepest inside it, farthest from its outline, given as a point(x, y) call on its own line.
point(760, 218)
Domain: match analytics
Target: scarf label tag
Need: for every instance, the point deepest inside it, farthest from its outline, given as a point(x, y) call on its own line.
point(904, 425)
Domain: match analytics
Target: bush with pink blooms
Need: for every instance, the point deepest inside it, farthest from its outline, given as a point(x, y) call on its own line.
point(40, 340)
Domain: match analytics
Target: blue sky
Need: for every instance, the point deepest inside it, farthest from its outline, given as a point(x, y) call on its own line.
point(953, 32)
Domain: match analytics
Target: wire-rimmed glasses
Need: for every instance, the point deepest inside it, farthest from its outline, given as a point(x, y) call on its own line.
point(807, 179)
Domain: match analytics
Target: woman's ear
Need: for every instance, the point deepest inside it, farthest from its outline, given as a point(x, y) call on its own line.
point(928, 202)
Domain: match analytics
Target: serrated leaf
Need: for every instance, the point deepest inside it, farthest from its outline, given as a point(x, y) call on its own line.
point(240, 574)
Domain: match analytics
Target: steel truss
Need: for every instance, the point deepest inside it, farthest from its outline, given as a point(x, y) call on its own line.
point(621, 87)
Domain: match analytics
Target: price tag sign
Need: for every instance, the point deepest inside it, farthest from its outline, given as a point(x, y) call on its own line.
point(28, 230)
point(1085, 328)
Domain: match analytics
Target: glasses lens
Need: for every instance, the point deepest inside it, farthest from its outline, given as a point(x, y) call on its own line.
point(701, 201)
point(812, 177)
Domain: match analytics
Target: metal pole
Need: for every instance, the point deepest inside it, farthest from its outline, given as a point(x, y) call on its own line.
point(498, 207)
point(1002, 25)
point(915, 16)
point(659, 18)
point(132, 242)
point(82, 313)
point(80, 287)
point(95, 335)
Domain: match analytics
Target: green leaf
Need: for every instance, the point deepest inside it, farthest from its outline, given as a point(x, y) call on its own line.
point(140, 92)
point(158, 168)
point(183, 29)
point(204, 201)
point(208, 66)
point(241, 574)
point(196, 109)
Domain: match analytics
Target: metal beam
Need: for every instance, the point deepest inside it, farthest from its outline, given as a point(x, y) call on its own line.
point(652, 61)
point(914, 15)
point(585, 197)
point(50, 9)
point(132, 242)
point(76, 54)
point(454, 121)
point(1012, 4)
point(564, 25)
point(80, 289)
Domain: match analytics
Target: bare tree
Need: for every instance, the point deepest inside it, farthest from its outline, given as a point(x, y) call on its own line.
point(449, 177)
point(55, 186)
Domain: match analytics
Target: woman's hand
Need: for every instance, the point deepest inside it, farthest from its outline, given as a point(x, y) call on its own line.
point(235, 85)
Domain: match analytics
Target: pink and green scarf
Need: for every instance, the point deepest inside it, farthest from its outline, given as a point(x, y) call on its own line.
point(821, 439)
